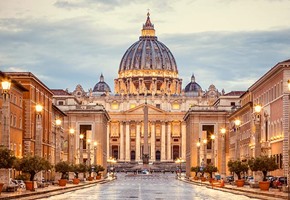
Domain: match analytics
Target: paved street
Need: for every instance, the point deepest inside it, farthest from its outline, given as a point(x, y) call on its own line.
point(156, 186)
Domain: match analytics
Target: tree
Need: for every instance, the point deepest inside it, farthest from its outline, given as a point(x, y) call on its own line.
point(195, 169)
point(264, 164)
point(237, 167)
point(63, 167)
point(32, 165)
point(98, 169)
point(6, 158)
point(210, 169)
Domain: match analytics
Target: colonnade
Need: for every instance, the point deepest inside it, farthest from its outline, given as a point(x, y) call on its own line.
point(160, 140)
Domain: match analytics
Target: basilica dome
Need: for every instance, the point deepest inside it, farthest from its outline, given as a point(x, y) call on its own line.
point(101, 86)
point(148, 66)
point(192, 88)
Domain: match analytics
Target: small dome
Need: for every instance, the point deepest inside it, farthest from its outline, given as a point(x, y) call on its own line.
point(192, 88)
point(101, 86)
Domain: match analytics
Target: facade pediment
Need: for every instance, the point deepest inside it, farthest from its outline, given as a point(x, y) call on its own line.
point(139, 110)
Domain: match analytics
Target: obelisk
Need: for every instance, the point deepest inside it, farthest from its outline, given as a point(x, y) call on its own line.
point(145, 147)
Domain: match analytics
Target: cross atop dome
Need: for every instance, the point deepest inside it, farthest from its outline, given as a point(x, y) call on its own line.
point(148, 28)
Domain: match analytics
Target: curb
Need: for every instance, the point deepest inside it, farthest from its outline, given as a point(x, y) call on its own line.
point(56, 191)
point(247, 193)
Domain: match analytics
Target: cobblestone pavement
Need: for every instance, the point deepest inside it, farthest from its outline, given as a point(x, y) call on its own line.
point(147, 187)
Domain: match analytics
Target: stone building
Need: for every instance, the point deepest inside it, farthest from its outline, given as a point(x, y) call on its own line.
point(266, 132)
point(148, 74)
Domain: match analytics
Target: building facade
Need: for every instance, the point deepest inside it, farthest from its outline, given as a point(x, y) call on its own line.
point(148, 74)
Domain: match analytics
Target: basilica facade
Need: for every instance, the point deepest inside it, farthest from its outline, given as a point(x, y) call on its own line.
point(148, 74)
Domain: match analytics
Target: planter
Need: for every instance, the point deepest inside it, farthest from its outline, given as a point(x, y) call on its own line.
point(62, 182)
point(98, 177)
point(1, 187)
point(76, 181)
point(240, 183)
point(90, 178)
point(195, 178)
point(29, 185)
point(203, 179)
point(211, 180)
point(264, 185)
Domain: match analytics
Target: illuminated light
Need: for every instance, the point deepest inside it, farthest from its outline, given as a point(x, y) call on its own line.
point(6, 85)
point(205, 141)
point(81, 136)
point(38, 108)
point(223, 131)
point(238, 122)
point(212, 137)
point(198, 144)
point(58, 122)
point(71, 131)
point(258, 108)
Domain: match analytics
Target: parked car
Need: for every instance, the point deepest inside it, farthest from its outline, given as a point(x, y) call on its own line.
point(281, 180)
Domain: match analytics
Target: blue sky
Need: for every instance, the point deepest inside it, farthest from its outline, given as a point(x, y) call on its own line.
point(228, 43)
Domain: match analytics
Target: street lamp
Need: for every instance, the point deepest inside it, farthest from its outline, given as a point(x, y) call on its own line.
point(237, 145)
point(95, 152)
point(223, 158)
point(204, 150)
point(111, 161)
point(198, 152)
point(179, 161)
point(89, 151)
point(212, 137)
point(71, 136)
point(38, 134)
point(81, 148)
point(57, 140)
point(6, 84)
point(257, 119)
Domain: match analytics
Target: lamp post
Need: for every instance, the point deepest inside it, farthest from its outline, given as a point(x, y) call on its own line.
point(212, 137)
point(223, 158)
point(81, 148)
point(179, 161)
point(204, 150)
point(257, 120)
point(237, 145)
point(198, 152)
point(89, 151)
point(6, 113)
point(38, 134)
point(95, 152)
point(71, 142)
point(111, 161)
point(57, 140)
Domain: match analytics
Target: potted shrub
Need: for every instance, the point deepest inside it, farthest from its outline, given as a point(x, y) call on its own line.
point(6, 161)
point(196, 170)
point(89, 170)
point(264, 164)
point(63, 167)
point(210, 169)
point(98, 169)
point(238, 167)
point(32, 165)
point(76, 168)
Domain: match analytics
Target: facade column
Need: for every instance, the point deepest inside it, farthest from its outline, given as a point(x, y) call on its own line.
point(153, 150)
point(6, 120)
point(108, 140)
point(127, 141)
point(138, 142)
point(169, 157)
point(163, 141)
point(122, 158)
point(183, 140)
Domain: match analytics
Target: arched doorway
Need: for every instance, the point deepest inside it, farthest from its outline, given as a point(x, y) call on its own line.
point(133, 156)
point(175, 152)
point(157, 155)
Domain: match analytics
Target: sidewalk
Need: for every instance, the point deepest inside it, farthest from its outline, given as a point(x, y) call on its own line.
point(246, 190)
point(48, 191)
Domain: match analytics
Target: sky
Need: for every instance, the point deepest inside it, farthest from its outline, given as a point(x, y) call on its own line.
point(228, 43)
